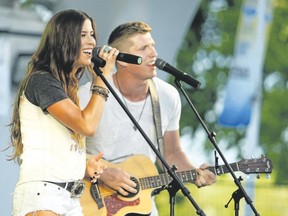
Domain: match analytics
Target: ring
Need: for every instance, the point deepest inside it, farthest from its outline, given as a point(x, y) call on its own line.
point(93, 180)
point(106, 49)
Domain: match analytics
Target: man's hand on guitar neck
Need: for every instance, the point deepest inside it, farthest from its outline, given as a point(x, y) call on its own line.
point(118, 180)
point(204, 176)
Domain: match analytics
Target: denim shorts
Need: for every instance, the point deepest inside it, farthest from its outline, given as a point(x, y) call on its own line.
point(34, 196)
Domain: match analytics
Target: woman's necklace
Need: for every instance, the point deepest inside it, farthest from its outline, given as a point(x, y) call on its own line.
point(134, 126)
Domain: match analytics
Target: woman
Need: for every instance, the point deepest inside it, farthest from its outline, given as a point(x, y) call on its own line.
point(48, 128)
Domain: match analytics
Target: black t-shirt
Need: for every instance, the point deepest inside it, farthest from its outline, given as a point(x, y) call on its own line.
point(44, 89)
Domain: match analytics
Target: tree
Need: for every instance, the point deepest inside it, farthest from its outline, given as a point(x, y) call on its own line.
point(206, 54)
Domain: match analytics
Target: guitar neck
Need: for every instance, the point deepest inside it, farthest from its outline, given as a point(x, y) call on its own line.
point(184, 176)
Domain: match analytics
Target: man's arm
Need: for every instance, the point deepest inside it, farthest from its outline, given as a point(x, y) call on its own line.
point(175, 155)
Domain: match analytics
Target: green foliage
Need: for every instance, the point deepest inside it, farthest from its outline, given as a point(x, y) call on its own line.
point(274, 131)
point(212, 199)
point(208, 45)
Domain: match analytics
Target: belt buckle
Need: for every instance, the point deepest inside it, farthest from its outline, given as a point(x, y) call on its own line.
point(77, 189)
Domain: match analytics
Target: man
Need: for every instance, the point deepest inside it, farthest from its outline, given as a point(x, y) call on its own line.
point(117, 137)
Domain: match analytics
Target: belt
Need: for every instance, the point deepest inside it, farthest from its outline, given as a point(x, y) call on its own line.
point(66, 185)
point(75, 188)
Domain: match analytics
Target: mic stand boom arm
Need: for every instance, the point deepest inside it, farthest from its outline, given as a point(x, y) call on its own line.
point(175, 179)
point(212, 139)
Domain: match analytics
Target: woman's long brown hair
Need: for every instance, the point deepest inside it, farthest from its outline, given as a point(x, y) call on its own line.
point(59, 47)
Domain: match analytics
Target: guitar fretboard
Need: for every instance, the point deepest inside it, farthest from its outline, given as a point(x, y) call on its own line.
point(184, 176)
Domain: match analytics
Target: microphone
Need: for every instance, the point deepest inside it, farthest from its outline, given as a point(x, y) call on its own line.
point(162, 65)
point(125, 57)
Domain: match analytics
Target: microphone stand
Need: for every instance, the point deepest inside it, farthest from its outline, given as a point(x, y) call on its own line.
point(176, 182)
point(237, 195)
point(211, 136)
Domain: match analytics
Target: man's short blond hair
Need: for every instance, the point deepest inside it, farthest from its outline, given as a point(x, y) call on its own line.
point(119, 37)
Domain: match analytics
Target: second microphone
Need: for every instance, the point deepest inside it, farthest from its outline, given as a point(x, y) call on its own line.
point(125, 57)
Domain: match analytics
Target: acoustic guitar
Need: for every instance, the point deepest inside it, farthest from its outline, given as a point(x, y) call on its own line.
point(100, 200)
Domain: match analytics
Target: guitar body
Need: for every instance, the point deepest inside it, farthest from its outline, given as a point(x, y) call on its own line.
point(115, 204)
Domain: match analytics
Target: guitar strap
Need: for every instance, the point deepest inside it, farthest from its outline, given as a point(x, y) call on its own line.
point(157, 119)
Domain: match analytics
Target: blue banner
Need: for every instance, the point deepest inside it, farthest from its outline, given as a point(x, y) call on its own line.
point(245, 77)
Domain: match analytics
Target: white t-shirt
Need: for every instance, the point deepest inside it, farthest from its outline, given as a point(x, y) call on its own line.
point(50, 153)
point(115, 136)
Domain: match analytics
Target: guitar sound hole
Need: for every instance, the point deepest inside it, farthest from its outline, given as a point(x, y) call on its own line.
point(137, 188)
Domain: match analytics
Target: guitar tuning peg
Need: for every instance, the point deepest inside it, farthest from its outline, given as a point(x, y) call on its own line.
point(268, 176)
point(258, 176)
point(248, 176)
point(252, 157)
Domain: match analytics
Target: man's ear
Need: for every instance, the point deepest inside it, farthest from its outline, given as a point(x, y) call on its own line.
point(123, 64)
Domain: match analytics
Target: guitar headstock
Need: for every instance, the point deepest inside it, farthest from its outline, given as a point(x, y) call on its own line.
point(256, 165)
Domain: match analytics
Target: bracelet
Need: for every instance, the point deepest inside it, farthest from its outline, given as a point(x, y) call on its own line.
point(100, 91)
